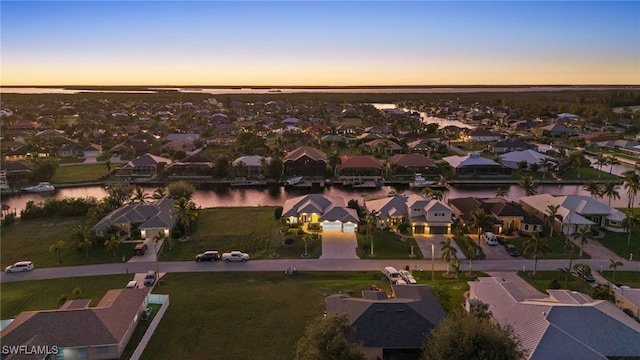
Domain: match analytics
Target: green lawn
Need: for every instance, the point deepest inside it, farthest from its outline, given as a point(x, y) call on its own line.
point(139, 332)
point(628, 278)
point(387, 245)
point(542, 282)
point(248, 229)
point(619, 243)
point(588, 174)
point(556, 244)
point(31, 239)
point(79, 173)
point(17, 297)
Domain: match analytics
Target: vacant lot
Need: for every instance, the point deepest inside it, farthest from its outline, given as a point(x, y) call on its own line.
point(79, 173)
point(387, 245)
point(556, 244)
point(628, 278)
point(542, 282)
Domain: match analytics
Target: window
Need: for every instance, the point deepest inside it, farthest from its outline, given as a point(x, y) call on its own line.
point(526, 227)
point(83, 353)
point(614, 223)
point(102, 349)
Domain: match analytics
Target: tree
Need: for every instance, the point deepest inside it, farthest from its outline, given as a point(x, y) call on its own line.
point(465, 337)
point(613, 264)
point(583, 235)
point(601, 160)
point(528, 185)
point(612, 160)
point(140, 196)
point(330, 337)
point(481, 220)
point(571, 246)
point(44, 169)
point(500, 193)
point(610, 191)
point(160, 192)
point(58, 249)
point(470, 253)
point(594, 188)
point(120, 194)
point(552, 211)
point(629, 224)
point(632, 185)
point(371, 222)
point(185, 211)
point(455, 266)
point(112, 244)
point(579, 162)
point(546, 164)
point(86, 245)
point(180, 189)
point(159, 238)
point(107, 165)
point(536, 246)
point(448, 253)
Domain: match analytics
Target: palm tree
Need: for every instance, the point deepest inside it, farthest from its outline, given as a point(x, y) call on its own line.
point(448, 253)
point(160, 192)
point(107, 165)
point(594, 188)
point(470, 253)
point(437, 195)
point(609, 190)
point(583, 235)
point(629, 224)
point(579, 162)
point(552, 211)
point(528, 185)
point(481, 220)
point(112, 244)
point(612, 160)
point(536, 245)
point(601, 160)
point(140, 196)
point(159, 238)
point(371, 222)
point(58, 249)
point(455, 266)
point(614, 265)
point(186, 212)
point(86, 245)
point(546, 164)
point(500, 193)
point(426, 192)
point(632, 185)
point(571, 246)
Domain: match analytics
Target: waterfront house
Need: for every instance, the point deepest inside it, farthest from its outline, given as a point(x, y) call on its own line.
point(143, 167)
point(481, 135)
point(508, 145)
point(505, 215)
point(390, 327)
point(554, 130)
point(305, 161)
point(382, 146)
point(476, 165)
point(563, 325)
point(77, 330)
point(199, 164)
point(150, 219)
point(353, 169)
point(251, 165)
point(410, 164)
point(530, 157)
point(330, 212)
point(426, 216)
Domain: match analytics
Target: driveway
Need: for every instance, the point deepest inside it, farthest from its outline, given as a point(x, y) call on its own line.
point(339, 245)
point(425, 241)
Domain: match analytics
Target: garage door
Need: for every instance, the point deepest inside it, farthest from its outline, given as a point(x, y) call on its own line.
point(438, 230)
point(331, 226)
point(349, 228)
point(419, 229)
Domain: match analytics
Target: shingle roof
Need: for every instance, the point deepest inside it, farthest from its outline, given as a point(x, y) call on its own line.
point(473, 159)
point(340, 213)
point(411, 160)
point(359, 162)
point(153, 215)
point(530, 156)
point(312, 153)
point(312, 203)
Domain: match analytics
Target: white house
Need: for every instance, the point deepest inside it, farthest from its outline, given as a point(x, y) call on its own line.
point(330, 212)
point(425, 216)
point(513, 159)
point(482, 135)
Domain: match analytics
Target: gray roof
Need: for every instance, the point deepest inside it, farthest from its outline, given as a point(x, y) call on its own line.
point(154, 215)
point(312, 203)
point(473, 159)
point(530, 156)
point(146, 160)
point(340, 213)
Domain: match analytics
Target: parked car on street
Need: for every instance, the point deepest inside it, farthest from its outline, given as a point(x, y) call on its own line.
point(20, 266)
point(511, 249)
point(210, 255)
point(235, 256)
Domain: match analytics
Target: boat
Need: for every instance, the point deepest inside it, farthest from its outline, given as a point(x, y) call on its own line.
point(42, 187)
point(4, 184)
point(293, 181)
point(419, 181)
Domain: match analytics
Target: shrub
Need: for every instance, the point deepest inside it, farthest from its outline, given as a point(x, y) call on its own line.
point(9, 219)
point(300, 231)
point(289, 240)
point(554, 284)
point(277, 212)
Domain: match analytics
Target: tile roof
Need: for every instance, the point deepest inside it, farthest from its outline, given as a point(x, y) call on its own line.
point(359, 162)
point(411, 160)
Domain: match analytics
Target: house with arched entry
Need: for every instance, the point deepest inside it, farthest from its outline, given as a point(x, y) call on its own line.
point(330, 212)
point(426, 216)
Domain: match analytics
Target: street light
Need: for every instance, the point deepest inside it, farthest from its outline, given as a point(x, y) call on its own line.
point(433, 257)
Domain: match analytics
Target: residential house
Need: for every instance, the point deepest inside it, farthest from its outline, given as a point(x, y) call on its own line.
point(554, 130)
point(563, 325)
point(598, 137)
point(76, 330)
point(506, 216)
point(330, 212)
point(183, 137)
point(358, 168)
point(576, 211)
point(530, 157)
point(482, 135)
point(421, 145)
point(382, 146)
point(508, 145)
point(199, 164)
point(91, 150)
point(619, 144)
point(333, 138)
point(150, 219)
point(146, 166)
point(390, 328)
point(305, 161)
point(251, 165)
point(348, 129)
point(411, 164)
point(17, 171)
point(475, 165)
point(23, 127)
point(628, 298)
point(425, 216)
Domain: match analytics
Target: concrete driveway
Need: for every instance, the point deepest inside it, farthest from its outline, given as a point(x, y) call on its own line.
point(425, 241)
point(339, 245)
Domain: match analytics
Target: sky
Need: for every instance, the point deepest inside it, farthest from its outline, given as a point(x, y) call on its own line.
point(330, 43)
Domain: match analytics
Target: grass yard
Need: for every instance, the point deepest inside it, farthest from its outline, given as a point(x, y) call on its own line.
point(17, 297)
point(622, 244)
point(628, 278)
point(588, 174)
point(557, 245)
point(80, 173)
point(254, 315)
point(542, 282)
point(31, 239)
point(249, 229)
point(387, 245)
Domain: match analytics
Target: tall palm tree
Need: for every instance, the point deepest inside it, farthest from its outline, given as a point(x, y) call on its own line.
point(601, 160)
point(545, 164)
point(112, 244)
point(107, 165)
point(629, 224)
point(583, 235)
point(579, 162)
point(536, 245)
point(612, 160)
point(610, 191)
point(594, 188)
point(500, 193)
point(614, 265)
point(632, 185)
point(470, 253)
point(86, 245)
point(455, 266)
point(159, 238)
point(371, 222)
point(58, 249)
point(140, 196)
point(550, 220)
point(186, 212)
point(528, 185)
point(448, 253)
point(481, 220)
point(571, 246)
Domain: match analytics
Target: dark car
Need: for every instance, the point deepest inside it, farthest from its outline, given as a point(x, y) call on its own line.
point(584, 273)
point(512, 250)
point(208, 256)
point(140, 249)
point(150, 278)
point(502, 240)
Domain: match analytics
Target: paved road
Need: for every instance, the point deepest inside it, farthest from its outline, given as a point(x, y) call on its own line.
point(515, 264)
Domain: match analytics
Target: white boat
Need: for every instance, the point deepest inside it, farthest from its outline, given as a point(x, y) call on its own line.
point(4, 184)
point(293, 181)
point(420, 181)
point(42, 187)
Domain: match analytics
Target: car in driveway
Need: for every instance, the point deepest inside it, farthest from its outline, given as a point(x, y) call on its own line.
point(512, 250)
point(150, 278)
point(140, 249)
point(20, 266)
point(407, 277)
point(235, 256)
point(490, 238)
point(210, 255)
point(584, 273)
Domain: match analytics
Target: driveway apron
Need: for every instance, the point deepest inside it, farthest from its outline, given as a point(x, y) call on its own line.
point(339, 245)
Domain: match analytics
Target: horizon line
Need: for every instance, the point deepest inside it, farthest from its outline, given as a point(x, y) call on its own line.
point(319, 86)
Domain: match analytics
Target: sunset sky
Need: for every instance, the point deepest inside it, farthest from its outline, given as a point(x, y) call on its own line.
point(319, 43)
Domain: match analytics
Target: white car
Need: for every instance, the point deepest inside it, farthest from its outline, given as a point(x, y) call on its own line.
point(235, 256)
point(20, 266)
point(407, 277)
